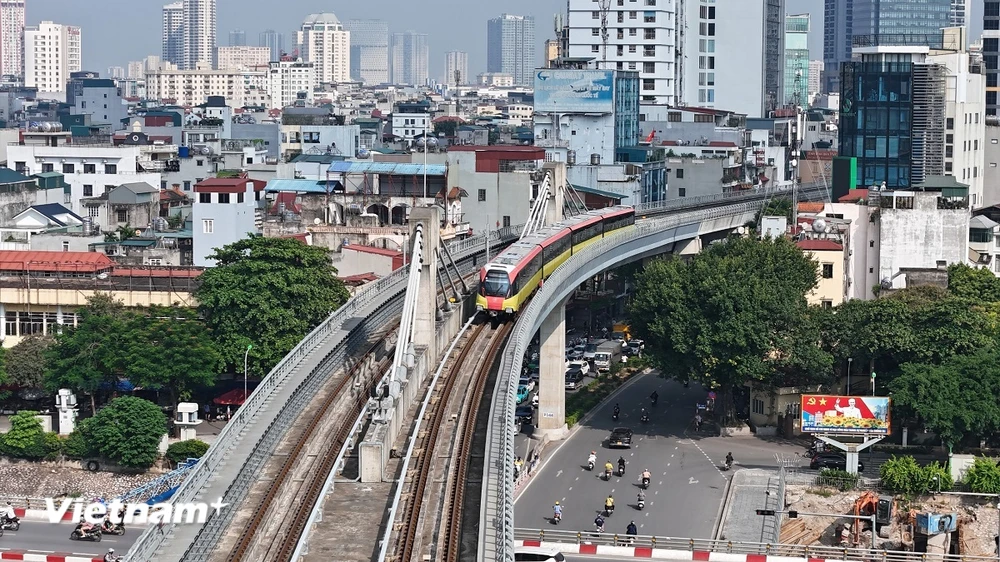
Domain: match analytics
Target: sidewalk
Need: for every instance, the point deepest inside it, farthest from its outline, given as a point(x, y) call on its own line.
point(46, 557)
point(749, 491)
point(661, 553)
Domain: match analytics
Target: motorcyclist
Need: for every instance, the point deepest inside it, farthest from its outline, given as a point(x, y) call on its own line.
point(110, 556)
point(84, 526)
point(608, 467)
point(609, 505)
point(8, 514)
point(641, 497)
point(729, 460)
point(617, 410)
point(621, 465)
point(592, 459)
point(599, 523)
point(646, 477)
point(654, 397)
point(557, 511)
point(645, 415)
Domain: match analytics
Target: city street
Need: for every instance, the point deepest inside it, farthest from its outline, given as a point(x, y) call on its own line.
point(44, 537)
point(687, 488)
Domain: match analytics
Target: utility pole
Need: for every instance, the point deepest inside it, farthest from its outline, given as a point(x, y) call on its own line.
point(605, 5)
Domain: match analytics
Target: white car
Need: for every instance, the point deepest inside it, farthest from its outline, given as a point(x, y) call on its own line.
point(537, 553)
point(583, 365)
point(534, 400)
point(526, 381)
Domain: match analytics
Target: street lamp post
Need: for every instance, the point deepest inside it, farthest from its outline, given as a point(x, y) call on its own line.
point(849, 361)
point(245, 372)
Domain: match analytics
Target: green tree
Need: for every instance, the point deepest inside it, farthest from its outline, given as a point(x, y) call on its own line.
point(775, 208)
point(169, 348)
point(735, 313)
point(973, 283)
point(983, 477)
point(25, 439)
point(951, 326)
point(446, 127)
point(268, 292)
point(127, 431)
point(25, 362)
point(183, 450)
point(89, 354)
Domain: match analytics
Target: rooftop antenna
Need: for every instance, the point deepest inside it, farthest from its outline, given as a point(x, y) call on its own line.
point(605, 5)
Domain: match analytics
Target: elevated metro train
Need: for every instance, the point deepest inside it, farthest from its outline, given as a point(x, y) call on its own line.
point(506, 282)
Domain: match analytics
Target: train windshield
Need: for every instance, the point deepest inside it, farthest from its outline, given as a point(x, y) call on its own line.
point(496, 284)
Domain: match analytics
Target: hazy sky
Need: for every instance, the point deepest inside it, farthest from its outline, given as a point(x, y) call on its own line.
point(117, 31)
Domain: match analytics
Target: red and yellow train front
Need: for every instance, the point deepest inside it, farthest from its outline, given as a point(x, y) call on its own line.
point(495, 294)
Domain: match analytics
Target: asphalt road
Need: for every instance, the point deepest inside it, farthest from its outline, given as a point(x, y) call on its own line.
point(43, 537)
point(687, 487)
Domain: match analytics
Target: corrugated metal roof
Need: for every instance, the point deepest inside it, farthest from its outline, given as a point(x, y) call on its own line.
point(600, 192)
point(300, 186)
point(16, 260)
point(395, 168)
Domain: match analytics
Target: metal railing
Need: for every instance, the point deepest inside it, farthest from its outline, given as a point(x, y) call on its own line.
point(805, 190)
point(496, 537)
point(379, 293)
point(682, 545)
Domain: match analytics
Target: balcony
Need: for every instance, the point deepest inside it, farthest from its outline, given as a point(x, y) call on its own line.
point(551, 143)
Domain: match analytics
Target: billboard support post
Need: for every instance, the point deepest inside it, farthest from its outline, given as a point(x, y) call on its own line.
point(851, 449)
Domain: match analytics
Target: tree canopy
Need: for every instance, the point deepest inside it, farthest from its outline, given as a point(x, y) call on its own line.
point(268, 293)
point(127, 431)
point(734, 313)
point(25, 362)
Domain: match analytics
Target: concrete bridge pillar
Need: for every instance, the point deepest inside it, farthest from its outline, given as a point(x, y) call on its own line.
point(552, 377)
point(557, 191)
point(425, 317)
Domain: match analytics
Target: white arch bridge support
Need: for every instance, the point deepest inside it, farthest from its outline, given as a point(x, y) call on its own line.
point(550, 199)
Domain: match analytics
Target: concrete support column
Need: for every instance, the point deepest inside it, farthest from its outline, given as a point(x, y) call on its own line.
point(557, 191)
point(552, 377)
point(425, 317)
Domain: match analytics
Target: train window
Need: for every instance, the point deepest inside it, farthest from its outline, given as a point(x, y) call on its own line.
point(496, 284)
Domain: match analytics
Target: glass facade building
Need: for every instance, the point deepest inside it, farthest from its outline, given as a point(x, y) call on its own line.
point(991, 51)
point(796, 61)
point(907, 22)
point(626, 108)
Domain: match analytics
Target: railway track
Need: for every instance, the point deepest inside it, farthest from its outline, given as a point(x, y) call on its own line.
point(469, 371)
point(310, 489)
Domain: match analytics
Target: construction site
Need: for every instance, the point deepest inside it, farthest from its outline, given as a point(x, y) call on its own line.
point(938, 524)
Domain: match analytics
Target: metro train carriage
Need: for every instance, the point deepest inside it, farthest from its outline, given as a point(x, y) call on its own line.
point(509, 279)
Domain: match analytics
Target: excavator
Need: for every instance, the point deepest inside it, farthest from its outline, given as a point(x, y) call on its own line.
point(864, 506)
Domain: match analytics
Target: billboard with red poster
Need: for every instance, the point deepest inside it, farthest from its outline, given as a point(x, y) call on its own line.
point(867, 415)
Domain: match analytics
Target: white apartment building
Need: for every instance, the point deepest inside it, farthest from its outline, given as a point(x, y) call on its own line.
point(199, 33)
point(12, 37)
point(52, 52)
point(641, 36)
point(242, 57)
point(496, 79)
point(286, 78)
point(408, 126)
point(135, 69)
point(192, 87)
point(815, 76)
point(172, 42)
point(89, 170)
point(456, 68)
point(323, 41)
point(965, 123)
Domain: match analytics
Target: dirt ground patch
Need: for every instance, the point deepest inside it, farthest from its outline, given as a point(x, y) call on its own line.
point(28, 480)
point(977, 520)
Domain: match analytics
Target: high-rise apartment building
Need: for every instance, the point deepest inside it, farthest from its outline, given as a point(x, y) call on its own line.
point(52, 52)
point(642, 38)
point(815, 75)
point(959, 12)
point(369, 50)
point(173, 33)
point(991, 52)
point(838, 29)
point(409, 58)
point(900, 22)
point(797, 66)
point(774, 52)
point(243, 58)
point(456, 68)
point(272, 40)
point(510, 47)
point(116, 72)
point(323, 41)
point(199, 33)
point(136, 69)
point(237, 38)
point(12, 37)
point(287, 79)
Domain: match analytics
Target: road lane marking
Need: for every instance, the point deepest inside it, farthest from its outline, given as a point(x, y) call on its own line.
point(559, 473)
point(570, 489)
point(691, 480)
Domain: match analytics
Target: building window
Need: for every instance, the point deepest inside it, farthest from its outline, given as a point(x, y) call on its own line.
point(90, 168)
point(65, 245)
point(208, 226)
point(506, 221)
point(122, 215)
point(649, 67)
point(649, 34)
point(187, 185)
point(88, 191)
point(680, 173)
point(482, 195)
point(46, 168)
point(239, 197)
point(22, 167)
point(595, 48)
point(674, 117)
point(826, 303)
point(682, 192)
point(204, 197)
point(67, 168)
point(595, 15)
point(757, 406)
point(827, 271)
point(950, 123)
point(110, 168)
point(199, 162)
point(155, 261)
point(223, 198)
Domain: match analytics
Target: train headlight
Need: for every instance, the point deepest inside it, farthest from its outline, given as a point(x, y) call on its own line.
point(509, 310)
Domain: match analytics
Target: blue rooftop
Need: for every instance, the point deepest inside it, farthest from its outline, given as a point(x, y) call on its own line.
point(393, 168)
point(300, 186)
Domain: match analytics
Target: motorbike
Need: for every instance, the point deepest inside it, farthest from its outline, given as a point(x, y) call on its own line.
point(607, 474)
point(78, 534)
point(641, 504)
point(614, 415)
point(644, 418)
point(590, 465)
point(10, 524)
point(621, 470)
point(113, 529)
point(726, 465)
point(556, 517)
point(645, 483)
point(609, 510)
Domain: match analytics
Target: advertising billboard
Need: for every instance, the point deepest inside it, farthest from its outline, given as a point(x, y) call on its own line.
point(845, 414)
point(574, 91)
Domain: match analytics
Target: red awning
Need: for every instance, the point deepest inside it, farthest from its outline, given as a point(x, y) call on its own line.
point(234, 397)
